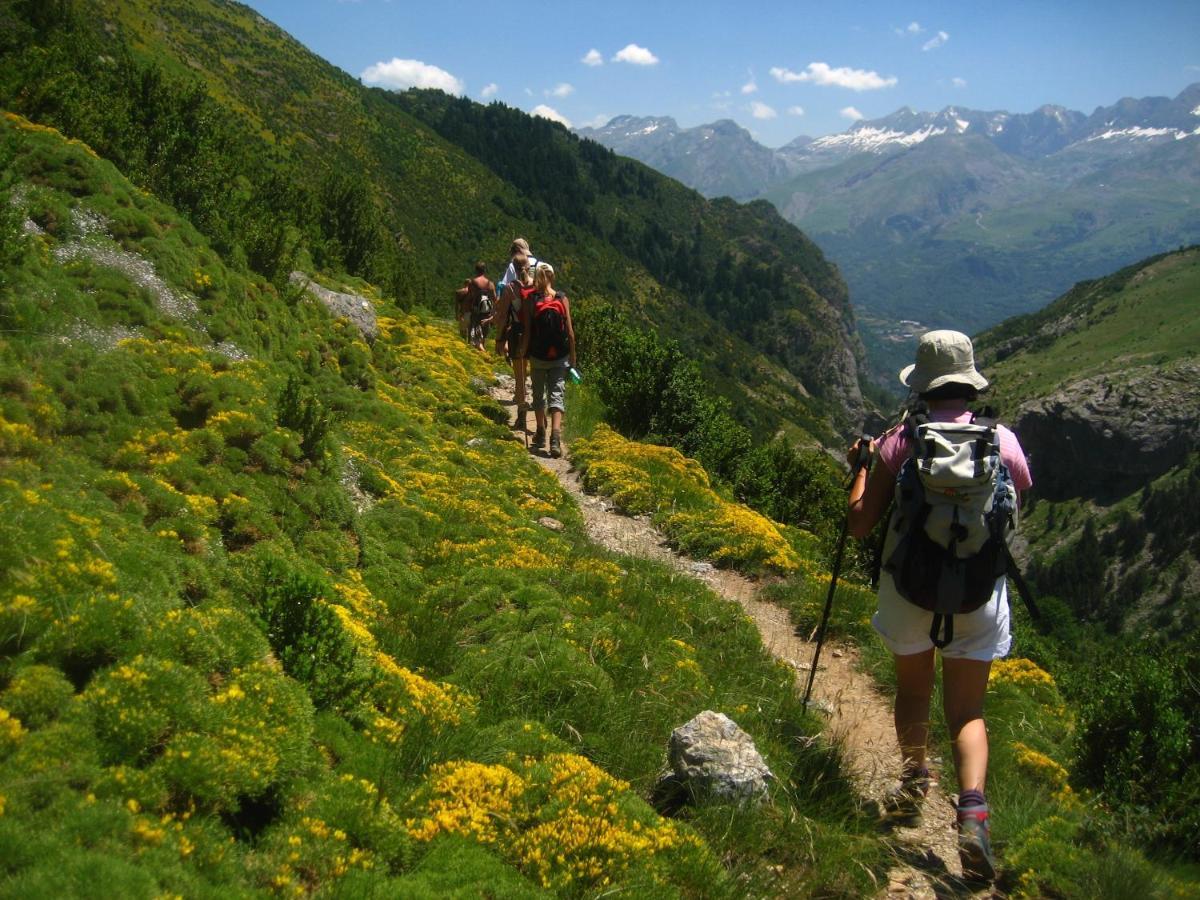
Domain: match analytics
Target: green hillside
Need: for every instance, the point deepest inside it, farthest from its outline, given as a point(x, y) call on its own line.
point(279, 157)
point(1143, 315)
point(1102, 385)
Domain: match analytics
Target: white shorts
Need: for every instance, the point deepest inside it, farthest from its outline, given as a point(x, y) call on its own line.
point(982, 635)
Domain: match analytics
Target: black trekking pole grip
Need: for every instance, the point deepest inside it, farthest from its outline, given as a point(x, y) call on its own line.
point(862, 460)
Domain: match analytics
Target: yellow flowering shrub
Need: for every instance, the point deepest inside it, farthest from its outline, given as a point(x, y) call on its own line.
point(10, 731)
point(1040, 766)
point(251, 732)
point(562, 820)
point(37, 694)
point(135, 706)
point(401, 694)
point(642, 478)
point(1020, 671)
point(211, 639)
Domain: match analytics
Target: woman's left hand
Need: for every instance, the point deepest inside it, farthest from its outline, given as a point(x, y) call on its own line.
point(852, 453)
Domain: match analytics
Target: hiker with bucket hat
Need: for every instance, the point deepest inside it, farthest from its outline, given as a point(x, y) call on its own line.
point(945, 380)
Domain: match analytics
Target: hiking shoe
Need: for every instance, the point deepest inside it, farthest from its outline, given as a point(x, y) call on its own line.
point(555, 444)
point(904, 801)
point(975, 844)
point(539, 439)
point(522, 423)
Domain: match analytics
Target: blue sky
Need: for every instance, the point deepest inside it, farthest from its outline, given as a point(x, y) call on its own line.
point(780, 69)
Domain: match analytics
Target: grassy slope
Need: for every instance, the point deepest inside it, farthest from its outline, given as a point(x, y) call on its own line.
point(181, 541)
point(1145, 315)
point(448, 209)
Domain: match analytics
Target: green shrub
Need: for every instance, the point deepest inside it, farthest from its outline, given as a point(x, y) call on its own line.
point(1138, 735)
point(37, 695)
point(251, 736)
point(304, 414)
point(210, 639)
point(306, 634)
point(134, 707)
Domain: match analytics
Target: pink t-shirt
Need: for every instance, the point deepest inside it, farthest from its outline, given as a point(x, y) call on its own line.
point(895, 447)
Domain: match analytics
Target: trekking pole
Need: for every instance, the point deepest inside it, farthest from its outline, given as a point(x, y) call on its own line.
point(862, 460)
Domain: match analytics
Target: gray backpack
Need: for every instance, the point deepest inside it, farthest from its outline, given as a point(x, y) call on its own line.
point(954, 517)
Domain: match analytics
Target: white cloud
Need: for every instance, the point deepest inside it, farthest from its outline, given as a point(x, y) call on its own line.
point(851, 113)
point(593, 58)
point(489, 90)
point(402, 74)
point(549, 112)
point(936, 41)
point(822, 74)
point(910, 29)
point(562, 89)
point(959, 82)
point(597, 121)
point(750, 86)
point(635, 55)
point(762, 111)
point(795, 110)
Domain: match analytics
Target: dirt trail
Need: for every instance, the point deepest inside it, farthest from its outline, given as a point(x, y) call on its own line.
point(860, 718)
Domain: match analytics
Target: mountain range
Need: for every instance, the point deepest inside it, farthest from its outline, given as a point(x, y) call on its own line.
point(960, 217)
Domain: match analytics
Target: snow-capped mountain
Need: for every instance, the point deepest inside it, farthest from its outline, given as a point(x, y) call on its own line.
point(961, 217)
point(723, 158)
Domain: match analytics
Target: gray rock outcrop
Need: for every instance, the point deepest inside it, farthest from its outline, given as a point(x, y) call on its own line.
point(1112, 433)
point(359, 310)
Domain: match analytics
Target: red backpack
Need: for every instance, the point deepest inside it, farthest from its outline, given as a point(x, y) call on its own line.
point(548, 339)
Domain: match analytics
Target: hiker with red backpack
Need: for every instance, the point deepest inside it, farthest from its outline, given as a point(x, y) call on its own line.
point(956, 480)
point(511, 322)
point(549, 344)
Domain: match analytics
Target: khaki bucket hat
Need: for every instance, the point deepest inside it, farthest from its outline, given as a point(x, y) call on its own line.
point(943, 357)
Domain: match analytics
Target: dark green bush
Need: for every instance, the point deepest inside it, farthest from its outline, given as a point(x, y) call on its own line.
point(307, 636)
point(1138, 736)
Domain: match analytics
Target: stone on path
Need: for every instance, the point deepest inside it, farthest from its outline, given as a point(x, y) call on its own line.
point(552, 524)
point(710, 757)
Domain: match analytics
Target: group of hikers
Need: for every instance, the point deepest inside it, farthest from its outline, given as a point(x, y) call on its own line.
point(534, 332)
point(949, 481)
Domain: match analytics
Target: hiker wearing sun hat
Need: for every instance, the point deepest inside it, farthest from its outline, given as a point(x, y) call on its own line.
point(943, 357)
point(945, 380)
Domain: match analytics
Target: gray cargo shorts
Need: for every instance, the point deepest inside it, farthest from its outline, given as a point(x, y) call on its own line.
point(549, 388)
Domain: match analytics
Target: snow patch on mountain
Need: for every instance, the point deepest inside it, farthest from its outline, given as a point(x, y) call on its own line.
point(1137, 133)
point(874, 140)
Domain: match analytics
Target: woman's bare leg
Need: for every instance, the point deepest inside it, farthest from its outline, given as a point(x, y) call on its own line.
point(914, 687)
point(964, 684)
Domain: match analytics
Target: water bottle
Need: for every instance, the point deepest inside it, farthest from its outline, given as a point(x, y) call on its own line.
point(573, 374)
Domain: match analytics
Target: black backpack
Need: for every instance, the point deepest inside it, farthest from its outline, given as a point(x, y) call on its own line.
point(548, 338)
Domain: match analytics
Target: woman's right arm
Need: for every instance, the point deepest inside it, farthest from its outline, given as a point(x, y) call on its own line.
point(869, 494)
